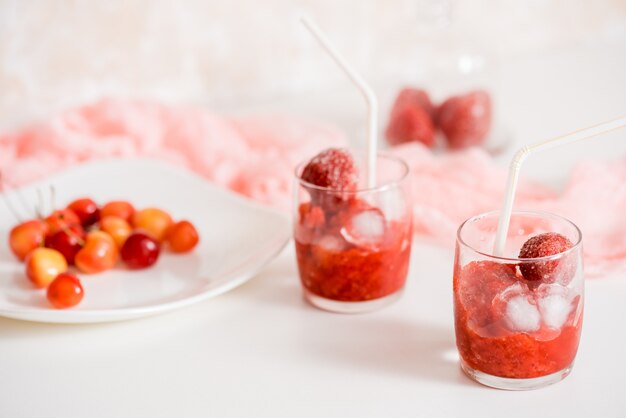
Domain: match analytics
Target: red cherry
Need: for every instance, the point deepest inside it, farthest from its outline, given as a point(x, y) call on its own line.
point(68, 241)
point(544, 245)
point(61, 219)
point(465, 120)
point(27, 236)
point(333, 168)
point(140, 251)
point(86, 210)
point(65, 291)
point(182, 237)
point(410, 123)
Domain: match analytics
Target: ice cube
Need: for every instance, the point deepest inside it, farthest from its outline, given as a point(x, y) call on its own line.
point(331, 243)
point(555, 304)
point(516, 307)
point(365, 228)
point(522, 315)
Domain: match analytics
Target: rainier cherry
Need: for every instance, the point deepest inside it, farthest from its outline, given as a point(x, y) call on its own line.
point(182, 237)
point(67, 241)
point(98, 254)
point(154, 221)
point(43, 265)
point(120, 208)
point(118, 228)
point(65, 291)
point(61, 219)
point(140, 251)
point(27, 236)
point(86, 210)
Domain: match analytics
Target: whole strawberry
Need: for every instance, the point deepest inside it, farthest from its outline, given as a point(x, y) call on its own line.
point(334, 170)
point(411, 118)
point(465, 120)
point(415, 97)
point(560, 270)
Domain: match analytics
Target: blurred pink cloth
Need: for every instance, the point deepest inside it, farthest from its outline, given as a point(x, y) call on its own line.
point(449, 188)
point(255, 156)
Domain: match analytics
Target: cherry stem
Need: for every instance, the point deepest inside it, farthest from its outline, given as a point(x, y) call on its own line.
point(20, 197)
point(72, 234)
point(22, 200)
point(7, 201)
point(39, 206)
point(53, 198)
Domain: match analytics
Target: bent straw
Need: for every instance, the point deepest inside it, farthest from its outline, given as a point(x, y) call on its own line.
point(364, 88)
point(525, 152)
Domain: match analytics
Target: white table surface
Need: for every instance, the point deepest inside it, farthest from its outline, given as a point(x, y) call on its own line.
point(260, 350)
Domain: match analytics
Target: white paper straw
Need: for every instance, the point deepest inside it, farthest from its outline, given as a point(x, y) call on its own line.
point(525, 152)
point(366, 91)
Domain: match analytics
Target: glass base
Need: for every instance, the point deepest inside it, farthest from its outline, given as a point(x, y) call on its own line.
point(350, 307)
point(514, 384)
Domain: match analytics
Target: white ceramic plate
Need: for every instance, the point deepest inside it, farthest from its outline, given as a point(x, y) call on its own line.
point(237, 238)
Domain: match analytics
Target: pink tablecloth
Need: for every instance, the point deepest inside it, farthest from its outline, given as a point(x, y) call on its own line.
point(255, 156)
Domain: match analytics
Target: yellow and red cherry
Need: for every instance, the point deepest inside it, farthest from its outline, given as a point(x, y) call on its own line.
point(119, 208)
point(155, 222)
point(182, 237)
point(86, 210)
point(98, 254)
point(65, 291)
point(67, 241)
point(27, 236)
point(140, 251)
point(118, 228)
point(43, 265)
point(61, 219)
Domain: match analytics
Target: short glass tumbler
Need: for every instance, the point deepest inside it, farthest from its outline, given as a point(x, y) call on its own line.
point(511, 332)
point(353, 248)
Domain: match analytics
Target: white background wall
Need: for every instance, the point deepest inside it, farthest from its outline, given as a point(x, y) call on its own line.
point(55, 53)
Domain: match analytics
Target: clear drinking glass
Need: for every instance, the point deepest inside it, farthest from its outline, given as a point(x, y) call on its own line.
point(513, 333)
point(353, 248)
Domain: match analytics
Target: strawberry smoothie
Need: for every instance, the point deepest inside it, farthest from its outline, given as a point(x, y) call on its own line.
point(353, 244)
point(518, 318)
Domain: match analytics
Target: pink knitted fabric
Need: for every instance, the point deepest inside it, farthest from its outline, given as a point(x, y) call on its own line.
point(255, 156)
